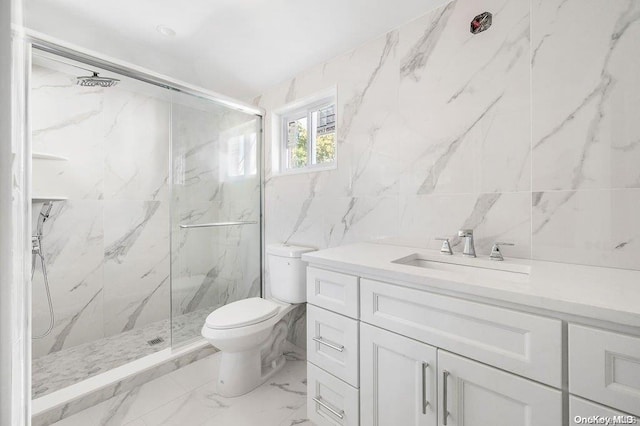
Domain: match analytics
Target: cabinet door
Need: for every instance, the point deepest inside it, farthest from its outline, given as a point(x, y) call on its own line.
point(605, 367)
point(581, 410)
point(473, 394)
point(397, 379)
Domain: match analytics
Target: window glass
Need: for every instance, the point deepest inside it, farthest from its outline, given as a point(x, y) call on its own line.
point(309, 136)
point(297, 143)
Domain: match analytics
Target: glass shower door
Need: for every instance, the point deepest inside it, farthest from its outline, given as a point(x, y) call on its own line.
point(216, 192)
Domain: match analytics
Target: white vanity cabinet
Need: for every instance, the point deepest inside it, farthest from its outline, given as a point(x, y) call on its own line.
point(399, 379)
point(383, 352)
point(332, 348)
point(330, 401)
point(605, 367)
point(581, 410)
point(333, 343)
point(334, 291)
point(522, 343)
point(406, 382)
point(474, 394)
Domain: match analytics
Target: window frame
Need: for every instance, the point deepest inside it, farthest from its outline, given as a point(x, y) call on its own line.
point(305, 111)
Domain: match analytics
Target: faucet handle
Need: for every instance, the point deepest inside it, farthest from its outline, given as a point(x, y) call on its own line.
point(446, 246)
point(465, 233)
point(496, 253)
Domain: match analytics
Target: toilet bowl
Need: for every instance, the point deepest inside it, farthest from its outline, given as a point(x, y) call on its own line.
point(250, 333)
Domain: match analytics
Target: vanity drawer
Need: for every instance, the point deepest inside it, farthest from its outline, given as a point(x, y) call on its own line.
point(605, 367)
point(332, 343)
point(580, 408)
point(525, 344)
point(334, 291)
point(330, 401)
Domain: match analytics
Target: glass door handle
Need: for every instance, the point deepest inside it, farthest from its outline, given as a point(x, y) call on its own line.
point(217, 224)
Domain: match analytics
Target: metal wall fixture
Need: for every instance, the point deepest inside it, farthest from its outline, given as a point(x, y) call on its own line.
point(481, 22)
point(218, 224)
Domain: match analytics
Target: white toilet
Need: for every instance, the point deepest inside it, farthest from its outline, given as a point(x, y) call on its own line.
point(250, 333)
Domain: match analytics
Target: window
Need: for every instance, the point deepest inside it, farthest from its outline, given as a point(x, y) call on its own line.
point(308, 136)
point(239, 156)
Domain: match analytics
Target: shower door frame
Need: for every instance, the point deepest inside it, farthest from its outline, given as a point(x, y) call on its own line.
point(33, 41)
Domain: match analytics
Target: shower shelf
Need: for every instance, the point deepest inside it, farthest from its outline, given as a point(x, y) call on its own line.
point(45, 156)
point(42, 199)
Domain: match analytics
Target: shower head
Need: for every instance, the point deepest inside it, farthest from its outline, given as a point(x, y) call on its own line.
point(96, 80)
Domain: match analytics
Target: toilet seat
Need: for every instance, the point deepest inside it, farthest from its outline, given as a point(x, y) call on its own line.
point(242, 313)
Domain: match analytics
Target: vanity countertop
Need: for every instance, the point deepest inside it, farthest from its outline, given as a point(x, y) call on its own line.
point(605, 294)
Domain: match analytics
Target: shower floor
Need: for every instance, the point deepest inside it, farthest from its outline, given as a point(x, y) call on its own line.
point(69, 366)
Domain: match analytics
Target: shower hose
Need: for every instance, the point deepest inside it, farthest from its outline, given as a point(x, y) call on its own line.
point(37, 254)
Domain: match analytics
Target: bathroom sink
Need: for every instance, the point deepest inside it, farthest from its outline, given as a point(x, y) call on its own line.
point(473, 267)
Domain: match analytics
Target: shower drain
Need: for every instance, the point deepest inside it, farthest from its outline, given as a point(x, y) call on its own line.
point(155, 341)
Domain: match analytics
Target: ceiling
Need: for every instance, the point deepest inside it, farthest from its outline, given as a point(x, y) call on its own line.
point(236, 47)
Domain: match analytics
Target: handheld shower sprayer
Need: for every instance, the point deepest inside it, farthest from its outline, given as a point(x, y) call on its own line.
point(36, 253)
point(45, 212)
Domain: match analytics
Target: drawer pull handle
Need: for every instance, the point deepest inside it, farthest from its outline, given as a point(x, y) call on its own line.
point(339, 414)
point(320, 340)
point(445, 375)
point(425, 402)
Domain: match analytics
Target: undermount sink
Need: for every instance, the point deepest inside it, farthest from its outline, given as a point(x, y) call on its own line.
point(475, 267)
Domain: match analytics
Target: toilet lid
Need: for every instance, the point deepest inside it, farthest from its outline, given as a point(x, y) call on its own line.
point(242, 313)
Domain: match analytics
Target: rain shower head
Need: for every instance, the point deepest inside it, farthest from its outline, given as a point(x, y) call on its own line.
point(95, 80)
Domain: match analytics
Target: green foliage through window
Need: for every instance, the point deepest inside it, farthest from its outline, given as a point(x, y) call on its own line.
point(326, 148)
point(298, 153)
point(310, 138)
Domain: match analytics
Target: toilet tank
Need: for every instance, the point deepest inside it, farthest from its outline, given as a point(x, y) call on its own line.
point(287, 272)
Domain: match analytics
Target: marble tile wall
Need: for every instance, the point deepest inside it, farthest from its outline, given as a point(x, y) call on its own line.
point(107, 246)
point(586, 135)
point(525, 133)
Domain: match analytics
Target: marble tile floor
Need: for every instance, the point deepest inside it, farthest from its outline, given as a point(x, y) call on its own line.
point(188, 397)
point(68, 366)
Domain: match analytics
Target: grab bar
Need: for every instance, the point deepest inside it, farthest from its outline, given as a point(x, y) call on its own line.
point(216, 224)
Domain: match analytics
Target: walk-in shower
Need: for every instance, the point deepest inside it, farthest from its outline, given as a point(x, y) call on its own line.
point(147, 216)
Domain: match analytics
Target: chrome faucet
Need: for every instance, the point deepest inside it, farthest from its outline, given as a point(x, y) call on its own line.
point(446, 246)
point(469, 248)
point(496, 253)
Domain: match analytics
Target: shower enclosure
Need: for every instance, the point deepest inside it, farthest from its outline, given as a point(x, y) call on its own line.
point(152, 198)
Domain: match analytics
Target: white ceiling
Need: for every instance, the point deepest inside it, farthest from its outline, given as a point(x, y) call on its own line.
point(236, 47)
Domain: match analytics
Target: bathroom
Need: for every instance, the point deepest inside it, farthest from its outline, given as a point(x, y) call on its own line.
point(259, 213)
